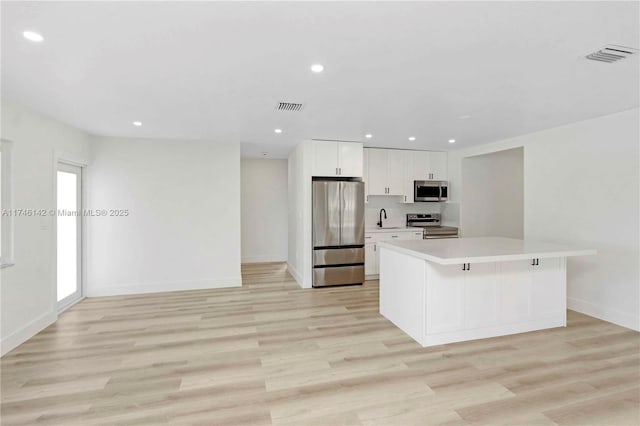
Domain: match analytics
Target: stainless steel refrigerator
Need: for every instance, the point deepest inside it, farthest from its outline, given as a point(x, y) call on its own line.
point(338, 233)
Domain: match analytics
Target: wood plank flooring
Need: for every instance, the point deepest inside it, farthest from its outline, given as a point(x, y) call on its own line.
point(270, 353)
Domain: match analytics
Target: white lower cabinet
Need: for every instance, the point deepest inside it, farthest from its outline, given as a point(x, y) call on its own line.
point(458, 298)
point(532, 288)
point(372, 250)
point(444, 312)
point(516, 279)
point(481, 295)
point(463, 298)
point(548, 291)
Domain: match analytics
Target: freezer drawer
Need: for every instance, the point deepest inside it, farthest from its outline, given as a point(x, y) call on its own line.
point(338, 275)
point(339, 256)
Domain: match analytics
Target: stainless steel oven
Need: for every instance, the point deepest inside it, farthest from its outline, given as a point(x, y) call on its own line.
point(430, 224)
point(430, 190)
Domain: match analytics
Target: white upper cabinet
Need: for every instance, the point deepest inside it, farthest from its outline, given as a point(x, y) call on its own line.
point(386, 172)
point(438, 165)
point(350, 157)
point(396, 169)
point(428, 165)
point(419, 165)
point(392, 171)
point(332, 158)
point(325, 158)
point(377, 169)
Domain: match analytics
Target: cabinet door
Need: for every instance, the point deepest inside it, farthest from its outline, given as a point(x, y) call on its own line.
point(325, 158)
point(417, 235)
point(480, 295)
point(377, 171)
point(438, 165)
point(389, 236)
point(407, 235)
point(365, 173)
point(445, 285)
point(350, 159)
point(396, 169)
point(420, 167)
point(516, 279)
point(407, 178)
point(549, 288)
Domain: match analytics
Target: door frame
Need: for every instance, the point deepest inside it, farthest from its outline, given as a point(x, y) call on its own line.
point(72, 299)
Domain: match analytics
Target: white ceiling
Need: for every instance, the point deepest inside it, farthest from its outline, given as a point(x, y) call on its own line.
point(216, 70)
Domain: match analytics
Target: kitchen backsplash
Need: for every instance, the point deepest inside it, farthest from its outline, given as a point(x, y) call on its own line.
point(450, 214)
point(396, 211)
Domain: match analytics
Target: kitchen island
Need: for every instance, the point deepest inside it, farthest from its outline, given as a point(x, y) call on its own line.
point(452, 290)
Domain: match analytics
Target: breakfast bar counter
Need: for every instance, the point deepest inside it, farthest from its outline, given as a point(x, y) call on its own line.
point(450, 290)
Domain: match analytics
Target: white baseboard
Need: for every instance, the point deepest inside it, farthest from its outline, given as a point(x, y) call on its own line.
point(492, 331)
point(295, 274)
point(262, 259)
point(159, 287)
point(23, 334)
point(610, 315)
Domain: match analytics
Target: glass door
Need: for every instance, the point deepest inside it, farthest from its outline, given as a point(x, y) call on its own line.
point(69, 234)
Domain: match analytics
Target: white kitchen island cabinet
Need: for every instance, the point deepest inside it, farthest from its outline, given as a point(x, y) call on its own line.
point(453, 290)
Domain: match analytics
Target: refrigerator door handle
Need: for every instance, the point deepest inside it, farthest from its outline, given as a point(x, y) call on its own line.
point(341, 197)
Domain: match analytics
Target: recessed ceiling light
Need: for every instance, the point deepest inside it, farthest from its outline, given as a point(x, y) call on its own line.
point(33, 36)
point(464, 117)
point(368, 136)
point(452, 141)
point(412, 138)
point(278, 130)
point(317, 68)
point(137, 123)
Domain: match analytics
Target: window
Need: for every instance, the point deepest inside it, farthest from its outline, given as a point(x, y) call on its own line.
point(6, 216)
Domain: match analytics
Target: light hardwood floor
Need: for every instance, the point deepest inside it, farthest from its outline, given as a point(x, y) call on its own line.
point(271, 353)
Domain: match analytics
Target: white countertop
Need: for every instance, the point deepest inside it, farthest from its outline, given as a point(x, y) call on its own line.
point(392, 229)
point(455, 251)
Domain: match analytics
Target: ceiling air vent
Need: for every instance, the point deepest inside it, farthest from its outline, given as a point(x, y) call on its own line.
point(289, 106)
point(612, 53)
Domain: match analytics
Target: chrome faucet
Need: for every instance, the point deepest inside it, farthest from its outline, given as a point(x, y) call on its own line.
point(385, 216)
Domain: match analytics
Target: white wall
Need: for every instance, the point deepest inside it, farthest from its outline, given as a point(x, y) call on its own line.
point(28, 289)
point(299, 217)
point(493, 194)
point(263, 186)
point(582, 187)
point(396, 211)
point(183, 231)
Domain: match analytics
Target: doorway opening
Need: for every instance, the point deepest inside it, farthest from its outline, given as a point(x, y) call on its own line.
point(69, 235)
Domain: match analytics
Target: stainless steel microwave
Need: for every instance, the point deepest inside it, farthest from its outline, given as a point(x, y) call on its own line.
point(430, 190)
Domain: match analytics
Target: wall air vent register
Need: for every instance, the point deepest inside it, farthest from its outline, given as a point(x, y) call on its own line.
point(612, 53)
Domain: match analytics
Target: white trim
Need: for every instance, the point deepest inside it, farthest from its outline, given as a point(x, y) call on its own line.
point(69, 159)
point(79, 170)
point(23, 334)
point(295, 274)
point(62, 308)
point(7, 258)
point(159, 287)
point(265, 258)
point(494, 331)
point(614, 316)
